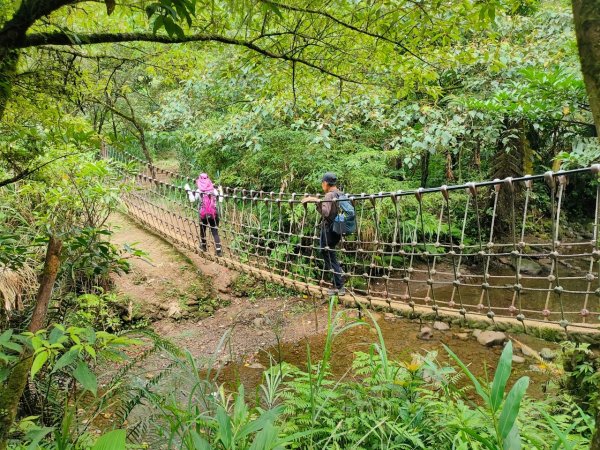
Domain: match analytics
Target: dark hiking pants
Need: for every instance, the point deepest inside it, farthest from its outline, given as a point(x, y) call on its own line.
point(328, 241)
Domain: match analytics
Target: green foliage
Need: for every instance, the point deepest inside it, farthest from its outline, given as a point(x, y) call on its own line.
point(581, 375)
point(62, 369)
point(502, 411)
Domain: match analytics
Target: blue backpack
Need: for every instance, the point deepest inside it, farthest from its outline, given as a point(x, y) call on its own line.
point(345, 220)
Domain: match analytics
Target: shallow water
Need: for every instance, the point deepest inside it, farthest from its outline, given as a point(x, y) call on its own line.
point(401, 342)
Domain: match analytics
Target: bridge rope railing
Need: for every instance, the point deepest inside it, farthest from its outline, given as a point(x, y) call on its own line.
point(463, 252)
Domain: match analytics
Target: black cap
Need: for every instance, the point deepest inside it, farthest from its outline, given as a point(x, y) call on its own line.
point(330, 178)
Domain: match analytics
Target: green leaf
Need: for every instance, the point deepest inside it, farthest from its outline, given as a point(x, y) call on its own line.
point(274, 8)
point(479, 438)
point(225, 433)
point(65, 360)
point(39, 362)
point(113, 440)
point(513, 440)
point(510, 410)
point(55, 335)
point(266, 438)
point(5, 337)
point(35, 436)
point(501, 377)
point(12, 346)
point(86, 377)
point(260, 422)
point(199, 442)
point(172, 28)
point(158, 23)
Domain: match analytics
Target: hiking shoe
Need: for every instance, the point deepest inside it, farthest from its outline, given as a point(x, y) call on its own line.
point(219, 252)
point(203, 247)
point(337, 292)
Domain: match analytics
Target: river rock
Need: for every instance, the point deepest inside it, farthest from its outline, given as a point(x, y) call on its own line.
point(527, 350)
point(547, 354)
point(441, 326)
point(527, 267)
point(425, 334)
point(530, 267)
point(491, 338)
point(518, 359)
point(477, 332)
point(462, 336)
point(174, 312)
point(390, 317)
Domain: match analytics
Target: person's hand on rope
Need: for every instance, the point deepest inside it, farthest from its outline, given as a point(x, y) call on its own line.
point(310, 200)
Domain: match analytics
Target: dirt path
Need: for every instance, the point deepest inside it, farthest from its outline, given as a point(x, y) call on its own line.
point(194, 302)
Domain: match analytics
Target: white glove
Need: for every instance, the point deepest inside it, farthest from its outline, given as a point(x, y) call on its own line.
point(190, 193)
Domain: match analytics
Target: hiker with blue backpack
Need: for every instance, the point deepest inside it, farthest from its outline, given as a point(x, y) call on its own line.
point(338, 219)
point(207, 210)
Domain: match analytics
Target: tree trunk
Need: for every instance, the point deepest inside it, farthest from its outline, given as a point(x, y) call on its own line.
point(508, 162)
point(51, 266)
point(12, 390)
point(595, 445)
point(586, 14)
point(9, 59)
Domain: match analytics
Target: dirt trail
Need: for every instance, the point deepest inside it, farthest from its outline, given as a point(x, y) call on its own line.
point(190, 300)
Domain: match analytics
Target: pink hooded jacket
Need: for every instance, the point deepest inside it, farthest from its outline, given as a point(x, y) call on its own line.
point(208, 203)
point(204, 184)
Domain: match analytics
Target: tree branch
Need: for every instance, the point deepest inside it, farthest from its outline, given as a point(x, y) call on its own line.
point(28, 172)
point(38, 39)
point(349, 26)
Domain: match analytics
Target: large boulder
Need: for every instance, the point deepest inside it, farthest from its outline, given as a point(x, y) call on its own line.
point(530, 267)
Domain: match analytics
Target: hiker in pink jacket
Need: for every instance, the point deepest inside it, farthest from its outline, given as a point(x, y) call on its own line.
point(209, 215)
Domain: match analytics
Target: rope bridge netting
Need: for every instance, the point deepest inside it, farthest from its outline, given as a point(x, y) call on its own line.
point(474, 252)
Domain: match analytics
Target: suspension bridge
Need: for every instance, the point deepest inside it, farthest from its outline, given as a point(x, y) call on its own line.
point(472, 254)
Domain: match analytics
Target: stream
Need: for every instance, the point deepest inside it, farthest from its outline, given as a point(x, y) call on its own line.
point(401, 341)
